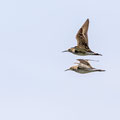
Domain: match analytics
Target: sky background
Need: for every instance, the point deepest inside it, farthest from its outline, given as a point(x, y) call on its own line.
point(33, 83)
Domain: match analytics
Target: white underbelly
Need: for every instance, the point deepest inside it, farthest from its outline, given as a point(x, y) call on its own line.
point(83, 71)
point(84, 54)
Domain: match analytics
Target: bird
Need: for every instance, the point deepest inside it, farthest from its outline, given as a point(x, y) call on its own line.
point(82, 47)
point(84, 67)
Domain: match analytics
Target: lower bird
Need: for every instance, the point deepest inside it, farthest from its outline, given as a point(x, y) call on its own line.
point(84, 67)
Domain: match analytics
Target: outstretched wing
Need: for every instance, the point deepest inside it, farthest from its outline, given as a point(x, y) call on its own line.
point(84, 63)
point(82, 37)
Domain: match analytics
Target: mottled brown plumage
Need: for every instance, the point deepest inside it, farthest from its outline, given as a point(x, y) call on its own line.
point(84, 67)
point(82, 47)
point(84, 63)
point(82, 37)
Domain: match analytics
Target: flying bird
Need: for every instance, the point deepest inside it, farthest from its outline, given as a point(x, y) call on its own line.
point(84, 67)
point(82, 47)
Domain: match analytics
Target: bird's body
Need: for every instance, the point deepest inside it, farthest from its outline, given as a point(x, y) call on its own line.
point(81, 70)
point(84, 67)
point(81, 51)
point(82, 47)
point(87, 70)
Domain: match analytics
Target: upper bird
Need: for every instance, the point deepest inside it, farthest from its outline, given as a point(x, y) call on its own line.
point(82, 47)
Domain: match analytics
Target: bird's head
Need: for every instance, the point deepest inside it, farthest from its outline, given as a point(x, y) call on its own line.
point(72, 50)
point(73, 68)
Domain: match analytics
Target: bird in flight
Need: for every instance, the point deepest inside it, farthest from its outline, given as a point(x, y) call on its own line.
point(82, 47)
point(84, 67)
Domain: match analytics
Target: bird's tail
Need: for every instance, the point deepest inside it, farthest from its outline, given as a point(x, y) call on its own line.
point(97, 54)
point(99, 70)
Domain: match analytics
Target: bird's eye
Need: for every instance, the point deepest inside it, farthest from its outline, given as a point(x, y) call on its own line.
point(69, 50)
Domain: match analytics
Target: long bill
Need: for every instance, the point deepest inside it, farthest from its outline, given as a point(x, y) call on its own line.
point(67, 69)
point(65, 51)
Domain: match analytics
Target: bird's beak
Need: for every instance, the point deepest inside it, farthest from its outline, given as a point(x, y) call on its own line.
point(65, 51)
point(67, 69)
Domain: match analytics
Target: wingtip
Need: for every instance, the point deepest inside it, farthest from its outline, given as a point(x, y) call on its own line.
point(76, 63)
point(92, 60)
point(87, 19)
point(78, 59)
point(88, 60)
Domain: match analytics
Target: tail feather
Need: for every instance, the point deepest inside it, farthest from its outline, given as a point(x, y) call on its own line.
point(93, 53)
point(99, 70)
point(97, 54)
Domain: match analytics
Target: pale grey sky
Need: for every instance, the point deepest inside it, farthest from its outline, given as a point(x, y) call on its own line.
point(33, 83)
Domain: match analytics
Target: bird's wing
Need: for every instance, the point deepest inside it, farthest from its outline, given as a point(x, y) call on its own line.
point(82, 37)
point(84, 63)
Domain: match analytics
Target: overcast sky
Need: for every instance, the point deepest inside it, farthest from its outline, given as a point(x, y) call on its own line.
point(33, 83)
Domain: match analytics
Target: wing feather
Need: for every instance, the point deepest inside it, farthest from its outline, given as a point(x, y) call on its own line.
point(82, 37)
point(84, 63)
